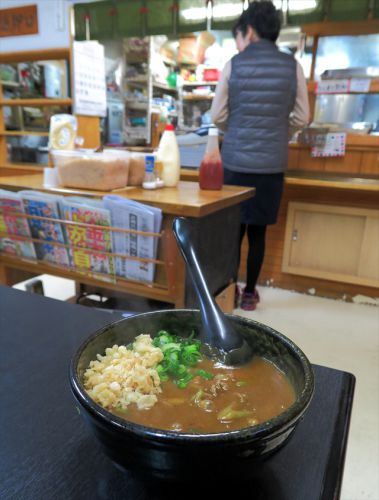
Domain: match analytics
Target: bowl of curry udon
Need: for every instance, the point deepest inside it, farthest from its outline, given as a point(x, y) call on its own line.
point(160, 407)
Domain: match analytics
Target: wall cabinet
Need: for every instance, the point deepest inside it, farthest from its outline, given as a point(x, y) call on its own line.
point(331, 242)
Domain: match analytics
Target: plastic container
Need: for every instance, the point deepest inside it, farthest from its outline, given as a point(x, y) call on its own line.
point(62, 133)
point(168, 155)
point(211, 75)
point(211, 173)
point(136, 169)
point(88, 170)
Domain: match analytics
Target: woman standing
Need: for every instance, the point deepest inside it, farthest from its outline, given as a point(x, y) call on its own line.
point(261, 91)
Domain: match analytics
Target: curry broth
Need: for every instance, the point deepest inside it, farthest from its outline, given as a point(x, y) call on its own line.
point(233, 399)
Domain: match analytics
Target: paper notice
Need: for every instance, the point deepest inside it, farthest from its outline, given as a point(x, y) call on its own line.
point(360, 84)
point(335, 145)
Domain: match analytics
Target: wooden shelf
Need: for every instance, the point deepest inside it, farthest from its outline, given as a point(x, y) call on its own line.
point(35, 55)
point(195, 97)
point(29, 167)
point(5, 83)
point(200, 84)
point(17, 133)
point(374, 89)
point(137, 106)
point(363, 185)
point(36, 102)
point(162, 86)
point(138, 79)
point(352, 141)
point(122, 285)
point(332, 28)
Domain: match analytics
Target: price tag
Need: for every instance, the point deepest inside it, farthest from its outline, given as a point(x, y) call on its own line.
point(360, 84)
point(332, 87)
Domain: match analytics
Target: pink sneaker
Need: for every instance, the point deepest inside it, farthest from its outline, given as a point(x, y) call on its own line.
point(250, 300)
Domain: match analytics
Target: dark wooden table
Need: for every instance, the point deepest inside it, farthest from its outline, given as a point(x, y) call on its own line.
point(46, 452)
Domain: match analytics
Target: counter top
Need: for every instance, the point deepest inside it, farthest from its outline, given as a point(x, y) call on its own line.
point(48, 452)
point(186, 199)
point(314, 179)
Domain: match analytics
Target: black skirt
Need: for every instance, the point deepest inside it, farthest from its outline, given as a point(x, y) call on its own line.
point(263, 208)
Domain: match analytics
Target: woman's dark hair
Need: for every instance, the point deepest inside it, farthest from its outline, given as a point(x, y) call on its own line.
point(263, 17)
point(241, 25)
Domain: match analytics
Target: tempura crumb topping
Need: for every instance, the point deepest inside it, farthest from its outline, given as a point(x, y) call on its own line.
point(124, 376)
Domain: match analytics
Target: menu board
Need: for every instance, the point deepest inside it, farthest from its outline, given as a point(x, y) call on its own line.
point(89, 79)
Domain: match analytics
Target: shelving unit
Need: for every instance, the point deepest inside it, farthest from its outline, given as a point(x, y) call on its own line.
point(138, 89)
point(88, 126)
point(144, 88)
point(18, 103)
point(190, 99)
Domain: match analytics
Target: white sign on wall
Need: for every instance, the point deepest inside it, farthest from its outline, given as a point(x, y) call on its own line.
point(89, 89)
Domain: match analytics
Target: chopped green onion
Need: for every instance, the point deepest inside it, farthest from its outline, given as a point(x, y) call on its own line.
point(183, 382)
point(179, 355)
point(204, 374)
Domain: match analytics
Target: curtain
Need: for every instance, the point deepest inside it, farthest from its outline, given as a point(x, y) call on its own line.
point(109, 19)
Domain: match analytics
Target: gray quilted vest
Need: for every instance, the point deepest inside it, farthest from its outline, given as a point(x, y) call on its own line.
point(262, 93)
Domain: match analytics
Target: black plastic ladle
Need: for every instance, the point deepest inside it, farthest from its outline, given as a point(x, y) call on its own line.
point(227, 345)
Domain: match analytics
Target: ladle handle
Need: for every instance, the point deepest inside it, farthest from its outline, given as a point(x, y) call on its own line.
point(216, 328)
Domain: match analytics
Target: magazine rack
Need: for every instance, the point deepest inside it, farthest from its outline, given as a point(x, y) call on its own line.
point(168, 284)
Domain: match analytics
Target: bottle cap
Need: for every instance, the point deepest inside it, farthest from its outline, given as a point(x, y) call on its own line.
point(213, 131)
point(169, 126)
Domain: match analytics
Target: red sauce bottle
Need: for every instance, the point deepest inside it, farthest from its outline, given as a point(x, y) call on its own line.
point(211, 173)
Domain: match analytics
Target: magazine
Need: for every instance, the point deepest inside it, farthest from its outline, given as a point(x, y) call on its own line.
point(46, 205)
point(95, 264)
point(128, 214)
point(11, 203)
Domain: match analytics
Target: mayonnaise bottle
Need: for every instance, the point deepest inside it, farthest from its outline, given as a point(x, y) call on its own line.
point(168, 155)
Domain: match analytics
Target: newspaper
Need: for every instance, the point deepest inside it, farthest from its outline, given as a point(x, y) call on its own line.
point(129, 214)
point(46, 205)
point(95, 264)
point(11, 203)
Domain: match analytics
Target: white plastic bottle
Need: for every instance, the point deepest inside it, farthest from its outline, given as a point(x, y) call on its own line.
point(168, 155)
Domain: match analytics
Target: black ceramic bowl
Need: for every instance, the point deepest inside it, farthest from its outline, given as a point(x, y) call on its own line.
point(171, 455)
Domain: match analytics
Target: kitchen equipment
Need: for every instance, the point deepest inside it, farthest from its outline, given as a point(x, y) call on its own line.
point(337, 74)
point(192, 147)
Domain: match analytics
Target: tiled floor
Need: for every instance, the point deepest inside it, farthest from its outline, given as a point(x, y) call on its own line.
point(343, 336)
point(332, 333)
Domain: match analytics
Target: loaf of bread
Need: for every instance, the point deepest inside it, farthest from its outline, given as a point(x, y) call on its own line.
point(103, 174)
point(136, 170)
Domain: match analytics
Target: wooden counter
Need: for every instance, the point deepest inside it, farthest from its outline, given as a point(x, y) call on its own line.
point(339, 201)
point(303, 178)
point(186, 199)
point(214, 217)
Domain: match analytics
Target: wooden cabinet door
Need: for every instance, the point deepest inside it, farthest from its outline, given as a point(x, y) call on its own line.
point(330, 242)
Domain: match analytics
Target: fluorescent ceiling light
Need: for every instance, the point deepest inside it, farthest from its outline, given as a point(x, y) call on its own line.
point(296, 5)
point(227, 10)
point(219, 11)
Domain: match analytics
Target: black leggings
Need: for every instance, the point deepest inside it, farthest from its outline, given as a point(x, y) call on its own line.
point(256, 236)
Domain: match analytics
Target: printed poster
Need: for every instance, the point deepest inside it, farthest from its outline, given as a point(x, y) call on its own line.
point(90, 97)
